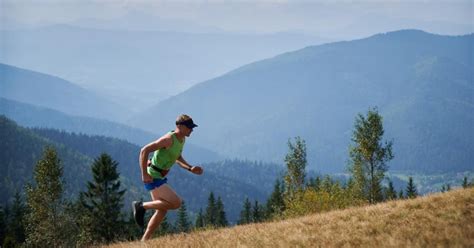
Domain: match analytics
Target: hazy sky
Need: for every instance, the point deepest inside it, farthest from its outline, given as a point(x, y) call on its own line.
point(324, 18)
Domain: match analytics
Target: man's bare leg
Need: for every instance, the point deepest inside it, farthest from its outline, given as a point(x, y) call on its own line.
point(164, 199)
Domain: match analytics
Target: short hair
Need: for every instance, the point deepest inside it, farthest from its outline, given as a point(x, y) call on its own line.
point(183, 118)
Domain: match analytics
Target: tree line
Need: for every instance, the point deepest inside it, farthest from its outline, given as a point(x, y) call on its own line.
point(47, 219)
point(295, 195)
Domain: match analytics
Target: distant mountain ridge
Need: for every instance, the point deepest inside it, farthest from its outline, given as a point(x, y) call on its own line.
point(139, 68)
point(421, 83)
point(53, 92)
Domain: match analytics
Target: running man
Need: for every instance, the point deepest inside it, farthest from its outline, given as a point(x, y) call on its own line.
point(167, 151)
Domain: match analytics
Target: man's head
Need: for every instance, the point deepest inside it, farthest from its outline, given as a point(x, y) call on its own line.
point(186, 124)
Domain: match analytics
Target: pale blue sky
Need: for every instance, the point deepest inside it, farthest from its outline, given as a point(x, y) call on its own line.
point(338, 18)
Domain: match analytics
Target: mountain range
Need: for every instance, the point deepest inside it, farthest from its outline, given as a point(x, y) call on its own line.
point(421, 84)
point(139, 68)
point(52, 92)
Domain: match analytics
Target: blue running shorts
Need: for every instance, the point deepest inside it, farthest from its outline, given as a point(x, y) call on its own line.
point(157, 182)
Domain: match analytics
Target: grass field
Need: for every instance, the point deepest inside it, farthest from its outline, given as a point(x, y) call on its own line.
point(438, 220)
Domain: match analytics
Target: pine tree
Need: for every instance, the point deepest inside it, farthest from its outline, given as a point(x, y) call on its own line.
point(165, 227)
point(3, 224)
point(296, 164)
point(221, 220)
point(276, 204)
point(182, 223)
point(327, 184)
point(211, 211)
point(443, 188)
point(351, 189)
point(369, 156)
point(16, 223)
point(411, 189)
point(199, 220)
point(257, 213)
point(315, 183)
point(390, 194)
point(246, 213)
point(131, 231)
point(45, 225)
point(400, 194)
point(103, 202)
point(465, 184)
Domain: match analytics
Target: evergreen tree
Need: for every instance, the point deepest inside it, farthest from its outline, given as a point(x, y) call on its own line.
point(165, 227)
point(246, 213)
point(445, 187)
point(9, 241)
point(315, 183)
point(83, 221)
point(211, 211)
point(465, 184)
point(199, 220)
point(221, 220)
point(276, 204)
point(390, 194)
point(257, 213)
point(369, 156)
point(400, 194)
point(351, 189)
point(327, 184)
point(45, 220)
point(16, 225)
point(296, 164)
point(182, 223)
point(132, 231)
point(103, 202)
point(3, 224)
point(411, 189)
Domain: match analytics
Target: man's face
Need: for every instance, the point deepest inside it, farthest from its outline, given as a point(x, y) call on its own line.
point(188, 131)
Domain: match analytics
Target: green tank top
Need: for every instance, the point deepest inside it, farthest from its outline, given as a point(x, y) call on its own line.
point(166, 158)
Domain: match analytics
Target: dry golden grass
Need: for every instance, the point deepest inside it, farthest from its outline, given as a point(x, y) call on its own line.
point(438, 220)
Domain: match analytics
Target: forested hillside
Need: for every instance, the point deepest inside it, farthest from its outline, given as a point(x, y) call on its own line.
point(29, 115)
point(233, 181)
point(19, 151)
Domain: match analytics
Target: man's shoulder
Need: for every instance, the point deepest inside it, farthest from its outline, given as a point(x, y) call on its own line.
point(167, 139)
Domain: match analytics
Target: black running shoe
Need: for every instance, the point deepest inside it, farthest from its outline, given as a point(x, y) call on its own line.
point(139, 213)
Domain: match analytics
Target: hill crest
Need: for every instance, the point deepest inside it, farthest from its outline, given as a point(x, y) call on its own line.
point(442, 219)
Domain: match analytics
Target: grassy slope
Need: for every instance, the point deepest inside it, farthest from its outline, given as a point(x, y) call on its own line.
point(437, 220)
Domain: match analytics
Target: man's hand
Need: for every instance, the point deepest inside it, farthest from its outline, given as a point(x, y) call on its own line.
point(197, 170)
point(147, 178)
